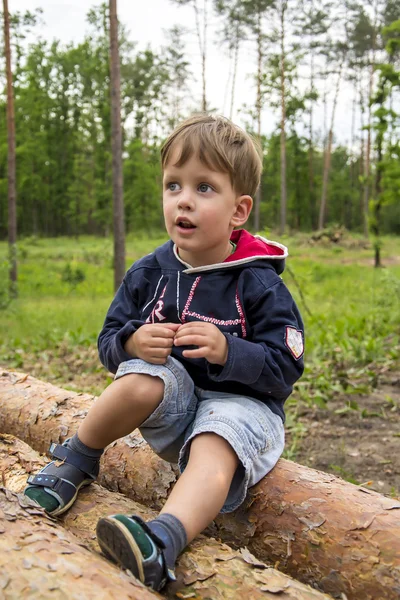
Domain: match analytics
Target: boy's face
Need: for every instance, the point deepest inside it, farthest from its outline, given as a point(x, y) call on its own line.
point(200, 210)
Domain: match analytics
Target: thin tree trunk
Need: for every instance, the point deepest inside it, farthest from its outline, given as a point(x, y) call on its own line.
point(235, 66)
point(368, 151)
point(368, 156)
point(228, 82)
point(202, 37)
point(320, 529)
point(362, 156)
point(328, 153)
point(116, 145)
point(207, 568)
point(203, 58)
point(257, 202)
point(378, 201)
point(311, 153)
point(283, 122)
point(349, 205)
point(11, 170)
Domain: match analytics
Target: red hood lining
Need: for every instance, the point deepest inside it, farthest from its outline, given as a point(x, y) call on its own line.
point(248, 246)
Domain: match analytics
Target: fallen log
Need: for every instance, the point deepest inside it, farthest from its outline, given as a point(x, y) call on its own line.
point(208, 569)
point(324, 531)
point(40, 560)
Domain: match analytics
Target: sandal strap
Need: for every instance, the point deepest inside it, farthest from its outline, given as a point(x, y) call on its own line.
point(89, 466)
point(62, 490)
point(50, 481)
point(169, 573)
point(158, 541)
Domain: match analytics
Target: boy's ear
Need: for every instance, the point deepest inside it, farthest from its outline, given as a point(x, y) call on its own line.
point(244, 204)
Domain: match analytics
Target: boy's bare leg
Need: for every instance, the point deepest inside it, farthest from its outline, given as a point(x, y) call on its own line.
point(196, 499)
point(203, 487)
point(120, 409)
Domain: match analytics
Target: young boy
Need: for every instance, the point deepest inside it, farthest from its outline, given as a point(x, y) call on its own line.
point(206, 343)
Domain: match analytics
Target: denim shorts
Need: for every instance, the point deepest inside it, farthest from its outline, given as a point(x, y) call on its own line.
point(255, 433)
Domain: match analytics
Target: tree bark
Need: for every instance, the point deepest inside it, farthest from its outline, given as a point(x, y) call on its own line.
point(207, 568)
point(40, 560)
point(324, 531)
point(235, 68)
point(283, 7)
point(328, 154)
point(311, 177)
point(202, 41)
point(257, 200)
point(11, 169)
point(116, 147)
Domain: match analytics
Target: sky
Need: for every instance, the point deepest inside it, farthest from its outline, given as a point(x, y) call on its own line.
point(146, 21)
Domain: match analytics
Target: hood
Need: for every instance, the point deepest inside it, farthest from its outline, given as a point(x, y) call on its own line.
point(250, 249)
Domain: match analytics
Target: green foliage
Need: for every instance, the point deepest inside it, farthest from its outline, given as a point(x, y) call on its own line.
point(62, 113)
point(73, 275)
point(351, 333)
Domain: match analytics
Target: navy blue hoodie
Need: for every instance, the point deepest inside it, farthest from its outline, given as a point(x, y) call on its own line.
point(244, 297)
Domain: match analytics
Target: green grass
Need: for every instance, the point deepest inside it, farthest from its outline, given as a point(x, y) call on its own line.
point(65, 288)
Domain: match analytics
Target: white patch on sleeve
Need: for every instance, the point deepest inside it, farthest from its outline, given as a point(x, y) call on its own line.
point(294, 341)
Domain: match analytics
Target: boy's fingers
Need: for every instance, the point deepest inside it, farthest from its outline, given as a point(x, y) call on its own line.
point(191, 340)
point(197, 353)
point(161, 343)
point(172, 326)
point(162, 332)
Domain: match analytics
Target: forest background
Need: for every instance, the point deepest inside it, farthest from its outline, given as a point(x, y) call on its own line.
point(335, 201)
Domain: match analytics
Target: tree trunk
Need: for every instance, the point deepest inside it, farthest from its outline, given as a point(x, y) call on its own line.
point(257, 200)
point(324, 531)
point(368, 151)
point(362, 157)
point(235, 67)
point(203, 56)
point(207, 568)
point(116, 146)
point(202, 41)
point(12, 192)
point(40, 560)
point(367, 160)
point(311, 151)
point(328, 153)
point(283, 121)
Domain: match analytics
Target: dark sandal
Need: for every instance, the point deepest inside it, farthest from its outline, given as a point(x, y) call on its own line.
point(129, 542)
point(64, 479)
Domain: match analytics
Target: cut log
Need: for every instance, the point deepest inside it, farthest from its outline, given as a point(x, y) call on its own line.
point(40, 560)
point(207, 569)
point(324, 531)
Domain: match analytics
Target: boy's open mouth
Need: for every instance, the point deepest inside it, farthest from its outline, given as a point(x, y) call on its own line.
point(185, 225)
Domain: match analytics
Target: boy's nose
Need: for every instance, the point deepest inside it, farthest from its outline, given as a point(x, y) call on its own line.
point(185, 200)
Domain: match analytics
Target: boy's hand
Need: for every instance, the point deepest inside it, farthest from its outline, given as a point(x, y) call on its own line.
point(212, 344)
point(152, 342)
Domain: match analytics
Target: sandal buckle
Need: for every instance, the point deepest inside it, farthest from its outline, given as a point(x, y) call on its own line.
point(43, 480)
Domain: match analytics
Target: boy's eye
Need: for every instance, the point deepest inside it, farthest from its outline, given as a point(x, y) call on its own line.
point(173, 186)
point(204, 187)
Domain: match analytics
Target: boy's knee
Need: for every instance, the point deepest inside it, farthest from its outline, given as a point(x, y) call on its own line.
point(139, 387)
point(213, 445)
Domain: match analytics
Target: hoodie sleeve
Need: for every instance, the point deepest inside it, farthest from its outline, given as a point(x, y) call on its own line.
point(273, 360)
point(121, 321)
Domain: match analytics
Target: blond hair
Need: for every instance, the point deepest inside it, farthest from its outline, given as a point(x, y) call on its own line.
point(221, 146)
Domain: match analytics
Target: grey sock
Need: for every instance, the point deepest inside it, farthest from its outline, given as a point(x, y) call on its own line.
point(171, 531)
point(75, 444)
